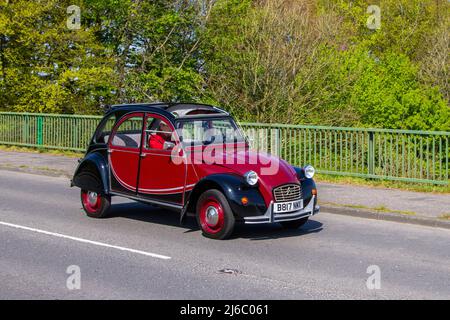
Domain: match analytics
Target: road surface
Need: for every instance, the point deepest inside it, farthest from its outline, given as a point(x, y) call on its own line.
point(142, 252)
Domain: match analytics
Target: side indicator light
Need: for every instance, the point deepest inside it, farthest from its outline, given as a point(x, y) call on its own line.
point(244, 201)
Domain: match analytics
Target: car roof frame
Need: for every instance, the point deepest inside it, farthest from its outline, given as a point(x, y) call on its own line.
point(163, 109)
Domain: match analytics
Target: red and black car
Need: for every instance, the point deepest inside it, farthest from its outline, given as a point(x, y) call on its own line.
point(194, 159)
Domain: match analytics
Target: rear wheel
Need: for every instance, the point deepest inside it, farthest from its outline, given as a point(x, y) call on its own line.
point(95, 205)
point(214, 215)
point(294, 224)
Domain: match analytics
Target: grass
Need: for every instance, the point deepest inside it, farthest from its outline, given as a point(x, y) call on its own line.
point(377, 209)
point(384, 209)
point(37, 168)
point(383, 183)
point(65, 153)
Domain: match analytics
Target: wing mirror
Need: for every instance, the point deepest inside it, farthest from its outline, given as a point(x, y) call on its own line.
point(168, 145)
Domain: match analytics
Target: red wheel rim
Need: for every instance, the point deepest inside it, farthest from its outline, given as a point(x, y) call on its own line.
point(211, 215)
point(91, 201)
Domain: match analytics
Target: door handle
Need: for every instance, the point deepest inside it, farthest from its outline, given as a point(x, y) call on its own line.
point(110, 151)
point(142, 155)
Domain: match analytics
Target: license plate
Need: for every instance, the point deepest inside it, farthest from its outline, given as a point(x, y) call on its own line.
point(283, 207)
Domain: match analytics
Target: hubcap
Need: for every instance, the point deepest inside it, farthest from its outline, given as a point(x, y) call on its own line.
point(92, 198)
point(212, 216)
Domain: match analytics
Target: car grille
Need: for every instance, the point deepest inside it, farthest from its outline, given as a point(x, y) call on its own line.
point(287, 192)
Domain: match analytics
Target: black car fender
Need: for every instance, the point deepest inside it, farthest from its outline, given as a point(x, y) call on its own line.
point(307, 184)
point(234, 188)
point(92, 174)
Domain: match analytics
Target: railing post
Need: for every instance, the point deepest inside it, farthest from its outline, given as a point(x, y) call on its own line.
point(371, 153)
point(40, 125)
point(75, 134)
point(447, 155)
point(25, 125)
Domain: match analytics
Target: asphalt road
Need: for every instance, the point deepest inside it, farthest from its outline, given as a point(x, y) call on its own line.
point(142, 252)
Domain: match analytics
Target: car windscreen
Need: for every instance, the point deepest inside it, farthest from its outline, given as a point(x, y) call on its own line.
point(207, 131)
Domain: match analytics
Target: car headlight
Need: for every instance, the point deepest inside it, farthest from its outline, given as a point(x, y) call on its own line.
point(309, 171)
point(251, 178)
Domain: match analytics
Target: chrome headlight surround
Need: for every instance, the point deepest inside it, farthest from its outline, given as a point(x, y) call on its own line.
point(309, 171)
point(251, 178)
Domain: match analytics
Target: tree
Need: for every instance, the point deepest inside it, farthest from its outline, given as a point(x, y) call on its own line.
point(46, 67)
point(261, 58)
point(289, 61)
point(154, 44)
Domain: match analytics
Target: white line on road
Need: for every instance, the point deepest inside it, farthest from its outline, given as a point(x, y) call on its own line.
point(96, 243)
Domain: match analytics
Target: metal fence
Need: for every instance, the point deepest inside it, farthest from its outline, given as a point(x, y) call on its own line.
point(415, 156)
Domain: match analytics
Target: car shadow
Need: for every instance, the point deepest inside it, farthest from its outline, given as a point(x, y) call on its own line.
point(148, 213)
point(275, 231)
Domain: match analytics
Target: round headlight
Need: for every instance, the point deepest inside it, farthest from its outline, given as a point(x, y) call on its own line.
point(309, 171)
point(251, 178)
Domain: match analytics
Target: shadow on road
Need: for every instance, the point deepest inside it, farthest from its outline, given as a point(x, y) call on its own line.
point(147, 213)
point(275, 231)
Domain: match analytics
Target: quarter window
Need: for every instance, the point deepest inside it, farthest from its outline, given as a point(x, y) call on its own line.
point(105, 130)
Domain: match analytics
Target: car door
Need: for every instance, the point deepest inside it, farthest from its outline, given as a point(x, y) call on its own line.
point(124, 148)
point(162, 173)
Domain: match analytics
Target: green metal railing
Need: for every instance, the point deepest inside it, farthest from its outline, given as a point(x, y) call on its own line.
point(53, 131)
point(404, 155)
point(415, 156)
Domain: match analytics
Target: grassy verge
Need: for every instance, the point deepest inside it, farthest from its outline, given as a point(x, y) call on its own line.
point(380, 209)
point(383, 183)
point(65, 153)
point(26, 168)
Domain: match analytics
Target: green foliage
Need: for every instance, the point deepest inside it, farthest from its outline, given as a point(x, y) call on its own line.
point(47, 67)
point(309, 62)
point(389, 94)
point(417, 29)
point(376, 91)
point(345, 74)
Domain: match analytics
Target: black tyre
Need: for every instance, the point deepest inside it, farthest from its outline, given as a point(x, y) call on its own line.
point(294, 224)
point(214, 215)
point(94, 204)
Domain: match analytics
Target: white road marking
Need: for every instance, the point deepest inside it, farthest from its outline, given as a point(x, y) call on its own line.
point(96, 243)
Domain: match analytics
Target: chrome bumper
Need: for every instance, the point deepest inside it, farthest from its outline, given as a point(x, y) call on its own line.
point(271, 217)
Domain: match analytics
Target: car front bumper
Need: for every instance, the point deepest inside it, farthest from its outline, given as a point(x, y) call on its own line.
point(270, 217)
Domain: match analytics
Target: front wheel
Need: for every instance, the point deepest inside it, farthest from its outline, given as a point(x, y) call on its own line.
point(94, 204)
point(294, 224)
point(214, 215)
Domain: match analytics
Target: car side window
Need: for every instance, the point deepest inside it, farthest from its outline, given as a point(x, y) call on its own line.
point(129, 133)
point(158, 134)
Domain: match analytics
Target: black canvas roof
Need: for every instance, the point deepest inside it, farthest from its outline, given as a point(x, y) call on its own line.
point(176, 110)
